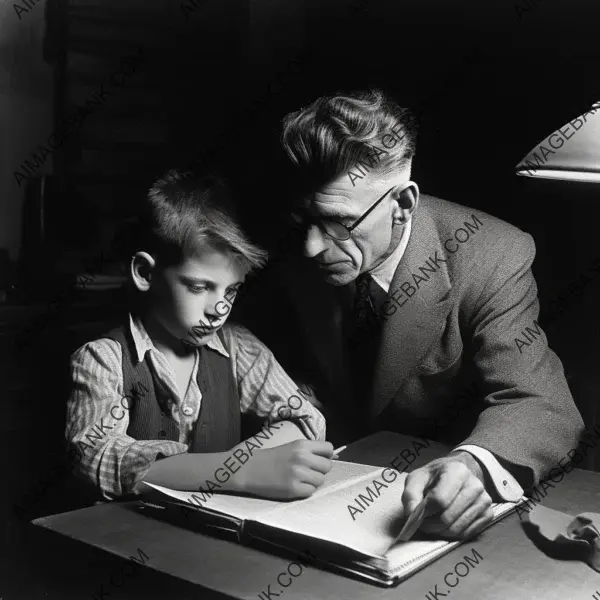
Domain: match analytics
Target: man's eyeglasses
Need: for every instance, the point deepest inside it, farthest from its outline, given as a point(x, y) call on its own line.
point(332, 227)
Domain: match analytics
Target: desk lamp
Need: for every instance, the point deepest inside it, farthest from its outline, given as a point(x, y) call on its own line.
point(571, 153)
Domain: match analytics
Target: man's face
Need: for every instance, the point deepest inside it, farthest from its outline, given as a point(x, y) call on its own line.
point(342, 261)
point(192, 300)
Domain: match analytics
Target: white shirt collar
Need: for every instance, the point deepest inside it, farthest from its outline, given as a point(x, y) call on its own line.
point(383, 274)
point(143, 342)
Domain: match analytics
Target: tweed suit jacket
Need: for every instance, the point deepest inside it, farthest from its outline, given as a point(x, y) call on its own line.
point(461, 357)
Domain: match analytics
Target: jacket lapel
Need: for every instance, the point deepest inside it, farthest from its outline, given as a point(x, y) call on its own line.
point(417, 323)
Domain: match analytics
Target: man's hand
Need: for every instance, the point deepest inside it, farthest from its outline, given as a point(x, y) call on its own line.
point(456, 498)
point(293, 470)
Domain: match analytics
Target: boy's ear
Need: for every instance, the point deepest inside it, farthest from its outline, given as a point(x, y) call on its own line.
point(141, 268)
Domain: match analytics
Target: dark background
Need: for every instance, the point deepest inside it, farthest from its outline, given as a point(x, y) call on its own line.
point(488, 82)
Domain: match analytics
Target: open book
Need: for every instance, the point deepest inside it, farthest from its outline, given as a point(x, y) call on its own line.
point(350, 524)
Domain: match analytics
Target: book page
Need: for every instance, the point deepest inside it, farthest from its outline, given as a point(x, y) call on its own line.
point(363, 513)
point(246, 507)
point(412, 554)
point(366, 522)
point(240, 507)
point(358, 506)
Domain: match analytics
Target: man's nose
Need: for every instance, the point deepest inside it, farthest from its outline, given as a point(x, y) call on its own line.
point(314, 243)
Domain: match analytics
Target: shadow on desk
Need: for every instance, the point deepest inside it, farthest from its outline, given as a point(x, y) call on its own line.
point(550, 548)
point(56, 568)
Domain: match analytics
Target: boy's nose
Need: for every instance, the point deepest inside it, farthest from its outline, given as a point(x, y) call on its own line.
point(218, 311)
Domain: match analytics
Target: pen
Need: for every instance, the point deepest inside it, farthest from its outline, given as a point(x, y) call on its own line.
point(338, 451)
point(413, 522)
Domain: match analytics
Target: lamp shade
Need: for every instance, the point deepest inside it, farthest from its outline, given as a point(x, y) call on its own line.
point(571, 153)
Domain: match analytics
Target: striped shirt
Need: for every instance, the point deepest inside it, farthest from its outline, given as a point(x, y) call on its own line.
point(97, 415)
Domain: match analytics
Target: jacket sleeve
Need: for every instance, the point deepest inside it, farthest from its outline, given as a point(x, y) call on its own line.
point(529, 419)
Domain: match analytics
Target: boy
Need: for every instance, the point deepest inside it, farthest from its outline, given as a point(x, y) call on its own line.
point(160, 397)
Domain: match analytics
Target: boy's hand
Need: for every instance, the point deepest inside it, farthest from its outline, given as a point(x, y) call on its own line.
point(293, 470)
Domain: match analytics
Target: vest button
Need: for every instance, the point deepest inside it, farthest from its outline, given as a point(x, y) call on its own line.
point(187, 411)
point(162, 433)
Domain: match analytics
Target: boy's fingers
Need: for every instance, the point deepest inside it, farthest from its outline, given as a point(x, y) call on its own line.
point(321, 448)
point(303, 490)
point(311, 477)
point(318, 463)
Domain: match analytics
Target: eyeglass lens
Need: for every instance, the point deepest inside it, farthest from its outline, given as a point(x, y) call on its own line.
point(336, 230)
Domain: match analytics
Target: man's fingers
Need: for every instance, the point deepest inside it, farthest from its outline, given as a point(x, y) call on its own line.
point(480, 509)
point(447, 488)
point(414, 488)
point(468, 494)
point(475, 517)
point(478, 524)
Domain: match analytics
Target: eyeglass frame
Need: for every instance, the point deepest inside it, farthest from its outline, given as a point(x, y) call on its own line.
point(350, 228)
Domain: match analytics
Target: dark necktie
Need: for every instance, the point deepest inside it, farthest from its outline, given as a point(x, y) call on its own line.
point(364, 335)
point(368, 299)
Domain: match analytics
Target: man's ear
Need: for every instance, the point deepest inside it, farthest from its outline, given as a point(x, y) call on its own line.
point(406, 196)
point(142, 265)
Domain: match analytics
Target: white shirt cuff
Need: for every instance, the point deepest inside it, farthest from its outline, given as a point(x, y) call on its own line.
point(506, 485)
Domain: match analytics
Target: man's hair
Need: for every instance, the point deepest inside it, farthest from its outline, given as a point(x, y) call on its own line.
point(329, 137)
point(185, 211)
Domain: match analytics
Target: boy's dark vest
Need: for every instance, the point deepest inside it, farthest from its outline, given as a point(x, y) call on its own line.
point(218, 426)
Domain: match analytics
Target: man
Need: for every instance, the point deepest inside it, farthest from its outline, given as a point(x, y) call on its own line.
point(429, 302)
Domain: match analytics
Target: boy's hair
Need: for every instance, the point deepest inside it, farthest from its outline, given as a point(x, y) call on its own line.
point(184, 211)
point(328, 137)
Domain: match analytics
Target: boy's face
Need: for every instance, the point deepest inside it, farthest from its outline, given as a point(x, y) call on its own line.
point(192, 300)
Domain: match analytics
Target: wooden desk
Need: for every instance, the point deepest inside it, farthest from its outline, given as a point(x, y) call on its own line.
point(511, 566)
